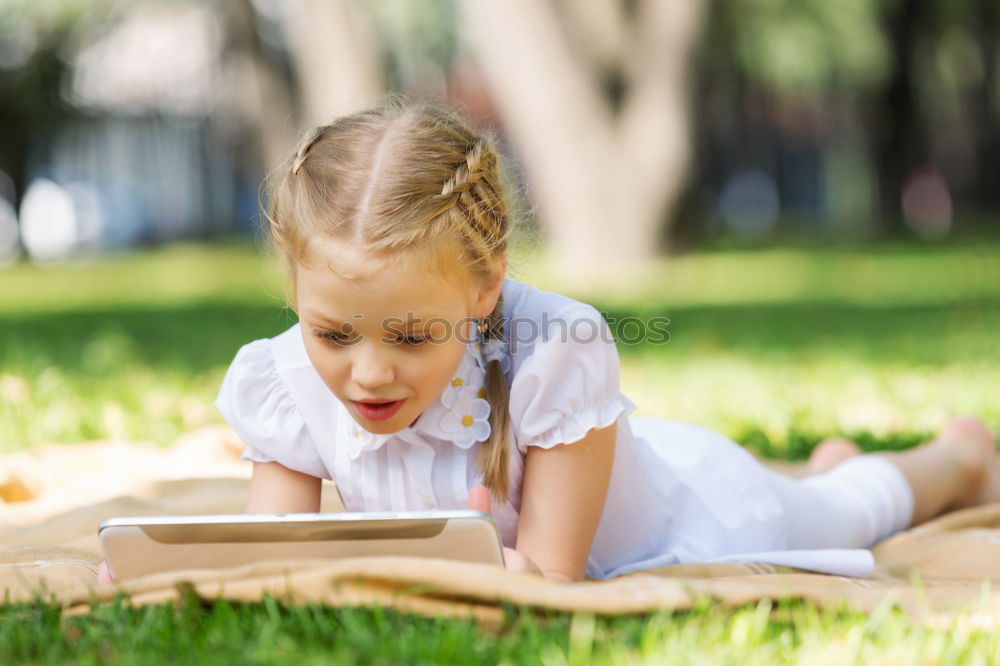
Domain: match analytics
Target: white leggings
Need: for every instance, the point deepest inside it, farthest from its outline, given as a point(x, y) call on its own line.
point(858, 503)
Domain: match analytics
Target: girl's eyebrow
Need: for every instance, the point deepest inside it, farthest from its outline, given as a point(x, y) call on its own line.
point(414, 321)
point(315, 316)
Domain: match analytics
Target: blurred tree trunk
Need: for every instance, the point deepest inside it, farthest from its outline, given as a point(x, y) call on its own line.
point(904, 144)
point(273, 116)
point(604, 127)
point(335, 61)
point(986, 106)
point(336, 58)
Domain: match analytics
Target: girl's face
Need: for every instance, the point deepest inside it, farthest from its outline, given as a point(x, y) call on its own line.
point(385, 332)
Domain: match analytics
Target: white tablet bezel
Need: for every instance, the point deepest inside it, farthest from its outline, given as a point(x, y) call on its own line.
point(139, 545)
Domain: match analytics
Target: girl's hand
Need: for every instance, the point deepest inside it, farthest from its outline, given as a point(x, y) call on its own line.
point(104, 574)
point(516, 561)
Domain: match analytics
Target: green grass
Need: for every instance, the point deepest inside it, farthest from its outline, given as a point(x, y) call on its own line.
point(270, 632)
point(776, 348)
point(133, 347)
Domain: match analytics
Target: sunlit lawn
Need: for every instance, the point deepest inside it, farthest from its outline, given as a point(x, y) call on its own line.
point(764, 634)
point(775, 348)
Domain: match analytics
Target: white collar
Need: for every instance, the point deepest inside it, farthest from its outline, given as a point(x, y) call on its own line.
point(460, 414)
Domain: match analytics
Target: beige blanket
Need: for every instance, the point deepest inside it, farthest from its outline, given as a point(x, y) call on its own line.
point(53, 499)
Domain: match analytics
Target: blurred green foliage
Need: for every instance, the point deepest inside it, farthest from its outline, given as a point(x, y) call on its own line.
point(807, 46)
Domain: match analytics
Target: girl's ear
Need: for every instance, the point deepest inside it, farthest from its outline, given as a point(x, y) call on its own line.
point(490, 292)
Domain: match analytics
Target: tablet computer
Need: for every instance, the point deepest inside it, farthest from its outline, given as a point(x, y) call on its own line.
point(136, 546)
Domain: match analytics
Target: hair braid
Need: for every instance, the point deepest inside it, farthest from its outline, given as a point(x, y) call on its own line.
point(469, 172)
point(493, 457)
point(469, 191)
point(303, 152)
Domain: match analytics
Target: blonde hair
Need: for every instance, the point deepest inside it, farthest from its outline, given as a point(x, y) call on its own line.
point(405, 181)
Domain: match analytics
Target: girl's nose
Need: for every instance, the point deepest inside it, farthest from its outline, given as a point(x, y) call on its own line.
point(372, 366)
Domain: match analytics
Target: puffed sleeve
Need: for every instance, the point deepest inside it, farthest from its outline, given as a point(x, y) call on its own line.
point(255, 401)
point(569, 384)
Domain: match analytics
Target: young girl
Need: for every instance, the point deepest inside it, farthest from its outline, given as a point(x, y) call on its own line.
point(420, 377)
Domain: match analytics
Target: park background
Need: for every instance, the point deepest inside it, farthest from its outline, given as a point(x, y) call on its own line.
point(803, 188)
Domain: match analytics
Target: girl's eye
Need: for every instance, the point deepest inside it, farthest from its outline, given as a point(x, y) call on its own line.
point(344, 340)
point(333, 337)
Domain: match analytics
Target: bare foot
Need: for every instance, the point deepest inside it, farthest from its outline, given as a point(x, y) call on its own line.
point(831, 452)
point(976, 452)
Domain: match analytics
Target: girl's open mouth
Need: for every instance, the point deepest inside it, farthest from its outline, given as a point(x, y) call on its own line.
point(378, 411)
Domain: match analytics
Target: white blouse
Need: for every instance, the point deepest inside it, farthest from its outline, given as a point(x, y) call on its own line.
point(679, 493)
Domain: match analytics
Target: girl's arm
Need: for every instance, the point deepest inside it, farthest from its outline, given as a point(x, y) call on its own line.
point(276, 489)
point(562, 499)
